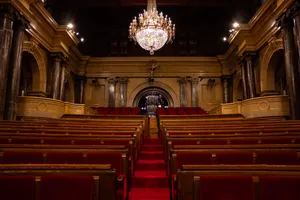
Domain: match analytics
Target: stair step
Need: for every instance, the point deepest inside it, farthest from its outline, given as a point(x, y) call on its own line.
point(150, 179)
point(152, 147)
point(152, 155)
point(152, 141)
point(150, 165)
point(149, 194)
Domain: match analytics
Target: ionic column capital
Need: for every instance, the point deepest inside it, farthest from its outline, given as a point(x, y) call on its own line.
point(57, 56)
point(112, 80)
point(182, 80)
point(122, 80)
point(194, 80)
point(21, 21)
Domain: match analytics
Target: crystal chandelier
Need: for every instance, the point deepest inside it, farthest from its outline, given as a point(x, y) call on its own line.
point(152, 30)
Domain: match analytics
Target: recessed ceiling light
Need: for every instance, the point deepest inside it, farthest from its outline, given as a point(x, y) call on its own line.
point(224, 39)
point(82, 39)
point(235, 25)
point(70, 26)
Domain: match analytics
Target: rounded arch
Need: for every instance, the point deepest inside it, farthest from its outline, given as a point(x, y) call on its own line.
point(146, 91)
point(237, 86)
point(274, 46)
point(33, 49)
point(69, 89)
point(155, 84)
point(276, 71)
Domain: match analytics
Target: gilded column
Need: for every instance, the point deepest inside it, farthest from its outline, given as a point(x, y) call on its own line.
point(195, 89)
point(6, 35)
point(244, 79)
point(225, 89)
point(14, 72)
point(62, 82)
point(249, 56)
point(183, 100)
point(123, 91)
point(57, 59)
point(291, 65)
point(111, 91)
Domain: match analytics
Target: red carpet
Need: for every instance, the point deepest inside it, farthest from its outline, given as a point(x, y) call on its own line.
point(150, 181)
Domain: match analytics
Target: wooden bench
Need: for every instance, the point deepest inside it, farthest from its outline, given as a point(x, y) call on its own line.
point(59, 182)
point(231, 140)
point(116, 156)
point(252, 182)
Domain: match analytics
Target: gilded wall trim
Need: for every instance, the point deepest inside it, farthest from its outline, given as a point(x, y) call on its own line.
point(50, 108)
point(256, 107)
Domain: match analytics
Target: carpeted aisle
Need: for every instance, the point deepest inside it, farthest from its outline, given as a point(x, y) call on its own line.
point(150, 181)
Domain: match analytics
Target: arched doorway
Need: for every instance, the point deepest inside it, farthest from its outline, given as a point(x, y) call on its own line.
point(30, 75)
point(151, 98)
point(276, 79)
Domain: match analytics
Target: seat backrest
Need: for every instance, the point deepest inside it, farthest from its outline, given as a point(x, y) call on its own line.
point(17, 187)
point(19, 157)
point(277, 158)
point(226, 188)
point(279, 187)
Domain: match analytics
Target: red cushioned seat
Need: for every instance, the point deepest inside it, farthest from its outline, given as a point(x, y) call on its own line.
point(226, 188)
point(60, 141)
point(17, 187)
point(213, 142)
point(277, 158)
point(26, 141)
point(87, 141)
point(11, 157)
point(276, 141)
point(113, 158)
point(4, 141)
point(64, 158)
point(186, 142)
point(234, 158)
point(244, 141)
point(193, 158)
point(67, 187)
point(279, 188)
point(106, 157)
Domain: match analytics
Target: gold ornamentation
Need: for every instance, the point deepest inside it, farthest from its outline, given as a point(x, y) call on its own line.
point(42, 106)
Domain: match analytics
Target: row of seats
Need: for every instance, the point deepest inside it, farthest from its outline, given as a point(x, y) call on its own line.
point(117, 110)
point(59, 182)
point(211, 158)
point(181, 111)
point(50, 145)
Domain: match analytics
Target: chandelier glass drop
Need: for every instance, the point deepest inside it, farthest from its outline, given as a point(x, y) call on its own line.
point(152, 30)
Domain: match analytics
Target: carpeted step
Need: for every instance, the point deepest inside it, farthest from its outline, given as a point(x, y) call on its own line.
point(149, 194)
point(152, 141)
point(152, 155)
point(152, 147)
point(150, 179)
point(150, 165)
